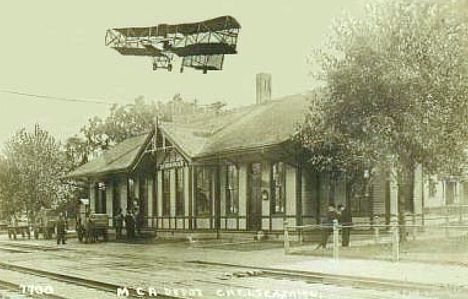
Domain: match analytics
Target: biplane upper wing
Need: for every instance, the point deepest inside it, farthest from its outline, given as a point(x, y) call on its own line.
point(163, 30)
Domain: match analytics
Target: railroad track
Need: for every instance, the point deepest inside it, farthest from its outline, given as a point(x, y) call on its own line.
point(12, 245)
point(347, 280)
point(307, 276)
point(76, 281)
point(15, 288)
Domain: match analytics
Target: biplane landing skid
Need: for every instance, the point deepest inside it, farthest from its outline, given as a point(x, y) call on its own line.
point(156, 67)
point(162, 62)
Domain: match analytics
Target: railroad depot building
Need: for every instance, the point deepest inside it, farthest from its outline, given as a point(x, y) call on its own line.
point(235, 171)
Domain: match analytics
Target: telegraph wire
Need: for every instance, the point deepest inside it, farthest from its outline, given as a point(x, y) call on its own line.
point(54, 98)
point(63, 99)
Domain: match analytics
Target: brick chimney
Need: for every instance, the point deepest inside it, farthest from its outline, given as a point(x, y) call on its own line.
point(263, 88)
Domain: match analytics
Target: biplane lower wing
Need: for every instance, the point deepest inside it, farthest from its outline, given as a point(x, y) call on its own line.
point(204, 62)
point(139, 51)
point(204, 49)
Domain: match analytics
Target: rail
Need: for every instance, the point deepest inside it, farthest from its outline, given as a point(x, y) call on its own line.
point(82, 282)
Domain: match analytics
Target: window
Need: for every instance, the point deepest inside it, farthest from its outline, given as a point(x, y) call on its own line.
point(96, 198)
point(116, 195)
point(180, 199)
point(166, 193)
point(278, 184)
point(143, 195)
point(450, 192)
point(155, 195)
point(232, 190)
point(100, 198)
point(203, 190)
point(130, 192)
point(465, 192)
point(432, 189)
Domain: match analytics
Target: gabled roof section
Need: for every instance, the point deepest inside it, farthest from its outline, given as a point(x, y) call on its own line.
point(121, 157)
point(189, 140)
point(270, 123)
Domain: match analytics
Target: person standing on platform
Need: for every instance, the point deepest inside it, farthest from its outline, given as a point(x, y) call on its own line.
point(136, 217)
point(61, 229)
point(346, 220)
point(119, 218)
point(327, 230)
point(129, 224)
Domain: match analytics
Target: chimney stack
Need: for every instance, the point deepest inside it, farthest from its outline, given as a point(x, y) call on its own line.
point(263, 87)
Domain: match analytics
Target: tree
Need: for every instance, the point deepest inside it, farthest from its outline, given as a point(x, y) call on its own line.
point(8, 182)
point(35, 167)
point(124, 121)
point(395, 94)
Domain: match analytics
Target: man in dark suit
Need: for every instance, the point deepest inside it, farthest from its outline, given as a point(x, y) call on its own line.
point(129, 224)
point(61, 229)
point(327, 225)
point(346, 220)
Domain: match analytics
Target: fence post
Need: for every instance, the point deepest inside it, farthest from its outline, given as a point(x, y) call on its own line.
point(396, 241)
point(447, 222)
point(336, 239)
point(460, 215)
point(413, 230)
point(286, 237)
point(376, 229)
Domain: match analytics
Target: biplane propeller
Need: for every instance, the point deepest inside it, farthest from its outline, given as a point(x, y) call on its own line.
point(201, 45)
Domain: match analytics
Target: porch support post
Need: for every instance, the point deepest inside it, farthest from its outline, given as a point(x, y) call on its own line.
point(109, 201)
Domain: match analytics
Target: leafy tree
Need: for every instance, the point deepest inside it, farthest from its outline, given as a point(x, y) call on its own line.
point(8, 187)
point(395, 94)
point(124, 121)
point(35, 166)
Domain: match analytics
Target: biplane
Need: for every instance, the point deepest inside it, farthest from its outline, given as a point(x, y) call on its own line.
point(200, 45)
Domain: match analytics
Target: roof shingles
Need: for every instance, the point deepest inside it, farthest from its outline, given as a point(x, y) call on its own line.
point(119, 158)
point(270, 123)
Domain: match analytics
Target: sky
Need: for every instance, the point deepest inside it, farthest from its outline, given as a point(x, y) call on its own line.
point(56, 48)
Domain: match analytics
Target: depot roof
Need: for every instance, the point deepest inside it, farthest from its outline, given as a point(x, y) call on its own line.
point(247, 128)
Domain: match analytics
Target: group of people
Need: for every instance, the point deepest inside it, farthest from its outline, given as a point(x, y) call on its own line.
point(15, 229)
point(85, 230)
point(340, 215)
point(133, 222)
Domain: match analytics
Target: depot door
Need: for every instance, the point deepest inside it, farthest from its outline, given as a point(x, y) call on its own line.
point(254, 217)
